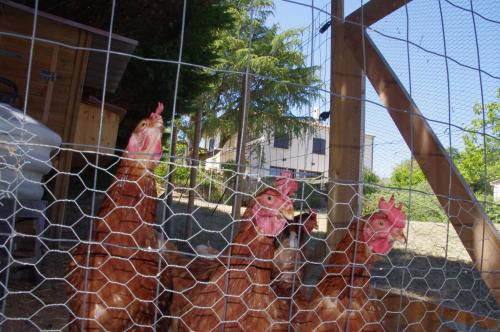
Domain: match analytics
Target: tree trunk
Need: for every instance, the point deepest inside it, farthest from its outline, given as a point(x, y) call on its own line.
point(240, 148)
point(195, 161)
point(171, 170)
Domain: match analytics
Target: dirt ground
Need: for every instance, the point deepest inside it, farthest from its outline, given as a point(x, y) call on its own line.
point(433, 266)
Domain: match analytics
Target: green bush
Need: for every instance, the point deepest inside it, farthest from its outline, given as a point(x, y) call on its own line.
point(211, 186)
point(424, 205)
point(160, 173)
point(491, 208)
point(400, 176)
point(370, 179)
point(181, 174)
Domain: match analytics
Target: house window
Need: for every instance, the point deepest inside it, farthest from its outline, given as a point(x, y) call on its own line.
point(319, 145)
point(211, 144)
point(282, 142)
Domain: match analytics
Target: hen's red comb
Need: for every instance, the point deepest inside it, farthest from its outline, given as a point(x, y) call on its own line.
point(159, 108)
point(394, 214)
point(286, 184)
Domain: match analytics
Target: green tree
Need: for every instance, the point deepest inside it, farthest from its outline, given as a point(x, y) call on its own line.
point(400, 176)
point(477, 171)
point(370, 180)
point(279, 82)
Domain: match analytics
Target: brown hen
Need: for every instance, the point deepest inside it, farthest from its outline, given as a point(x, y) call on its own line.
point(237, 294)
point(112, 280)
point(289, 262)
point(344, 299)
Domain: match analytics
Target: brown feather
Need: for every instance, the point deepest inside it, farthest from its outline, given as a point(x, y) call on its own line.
point(119, 273)
point(289, 261)
point(201, 306)
point(330, 307)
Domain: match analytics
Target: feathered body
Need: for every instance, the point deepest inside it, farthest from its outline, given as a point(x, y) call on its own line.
point(289, 261)
point(113, 279)
point(344, 299)
point(236, 292)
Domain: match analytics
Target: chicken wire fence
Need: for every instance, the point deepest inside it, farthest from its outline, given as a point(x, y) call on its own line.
point(160, 274)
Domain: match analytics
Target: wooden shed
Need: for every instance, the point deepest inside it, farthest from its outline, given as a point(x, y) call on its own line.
point(62, 65)
point(88, 119)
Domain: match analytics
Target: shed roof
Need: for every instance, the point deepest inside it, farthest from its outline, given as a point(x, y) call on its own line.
point(95, 67)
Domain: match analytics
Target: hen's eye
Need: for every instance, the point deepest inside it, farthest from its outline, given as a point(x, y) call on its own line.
point(381, 223)
point(143, 124)
point(269, 198)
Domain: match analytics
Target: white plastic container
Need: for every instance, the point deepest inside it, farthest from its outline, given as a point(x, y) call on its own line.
point(25, 147)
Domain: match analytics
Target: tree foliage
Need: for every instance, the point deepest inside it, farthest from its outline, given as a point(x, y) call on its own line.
point(420, 204)
point(471, 162)
point(370, 180)
point(403, 174)
point(279, 82)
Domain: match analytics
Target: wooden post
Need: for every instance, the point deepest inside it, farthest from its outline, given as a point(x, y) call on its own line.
point(346, 132)
point(466, 214)
point(374, 10)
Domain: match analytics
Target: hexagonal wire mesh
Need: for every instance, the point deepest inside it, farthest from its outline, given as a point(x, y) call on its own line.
point(122, 258)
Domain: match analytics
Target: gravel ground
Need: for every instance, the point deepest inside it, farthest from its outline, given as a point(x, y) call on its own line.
point(434, 266)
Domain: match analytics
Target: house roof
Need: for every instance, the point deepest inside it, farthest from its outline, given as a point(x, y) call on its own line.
point(95, 67)
point(497, 181)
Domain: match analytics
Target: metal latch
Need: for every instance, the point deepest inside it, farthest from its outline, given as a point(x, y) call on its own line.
point(47, 75)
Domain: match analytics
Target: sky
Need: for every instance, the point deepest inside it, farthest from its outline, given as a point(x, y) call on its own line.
point(426, 67)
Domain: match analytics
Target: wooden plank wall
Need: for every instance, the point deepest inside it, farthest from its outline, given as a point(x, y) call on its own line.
point(16, 69)
point(87, 132)
point(75, 91)
point(61, 98)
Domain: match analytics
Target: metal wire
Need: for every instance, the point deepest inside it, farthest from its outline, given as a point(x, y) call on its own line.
point(399, 271)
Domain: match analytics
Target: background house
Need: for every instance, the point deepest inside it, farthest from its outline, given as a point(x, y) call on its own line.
point(306, 156)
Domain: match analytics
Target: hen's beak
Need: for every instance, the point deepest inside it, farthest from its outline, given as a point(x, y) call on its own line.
point(398, 234)
point(287, 211)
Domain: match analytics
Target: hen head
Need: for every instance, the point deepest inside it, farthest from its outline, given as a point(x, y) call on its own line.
point(271, 211)
point(384, 227)
point(145, 141)
point(273, 207)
